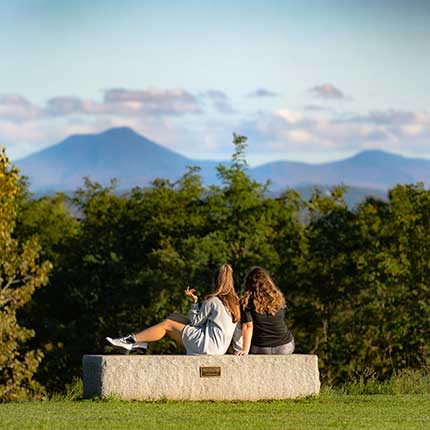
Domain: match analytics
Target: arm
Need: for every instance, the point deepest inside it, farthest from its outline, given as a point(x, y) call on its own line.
point(247, 328)
point(199, 316)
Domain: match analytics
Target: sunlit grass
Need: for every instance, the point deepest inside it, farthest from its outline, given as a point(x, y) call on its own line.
point(327, 411)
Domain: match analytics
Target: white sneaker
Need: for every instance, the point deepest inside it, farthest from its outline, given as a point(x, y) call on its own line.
point(127, 343)
point(139, 348)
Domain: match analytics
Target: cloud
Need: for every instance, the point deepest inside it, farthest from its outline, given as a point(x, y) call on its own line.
point(188, 122)
point(261, 93)
point(398, 124)
point(287, 131)
point(158, 102)
point(116, 101)
point(16, 108)
point(300, 135)
point(317, 108)
point(327, 92)
point(220, 101)
point(388, 117)
point(216, 94)
point(291, 117)
point(63, 105)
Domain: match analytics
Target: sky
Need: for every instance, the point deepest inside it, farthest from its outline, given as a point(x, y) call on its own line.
point(312, 81)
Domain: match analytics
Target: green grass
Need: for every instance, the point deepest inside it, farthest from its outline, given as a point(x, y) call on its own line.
point(328, 411)
point(407, 381)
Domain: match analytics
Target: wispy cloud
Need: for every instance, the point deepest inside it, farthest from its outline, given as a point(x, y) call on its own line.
point(158, 102)
point(63, 105)
point(327, 92)
point(220, 101)
point(317, 108)
point(261, 93)
point(118, 102)
point(285, 131)
point(16, 108)
point(387, 117)
point(189, 122)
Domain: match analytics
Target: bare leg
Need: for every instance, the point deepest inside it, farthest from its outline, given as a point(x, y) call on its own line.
point(167, 327)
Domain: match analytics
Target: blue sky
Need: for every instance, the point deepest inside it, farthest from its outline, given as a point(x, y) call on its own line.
point(304, 80)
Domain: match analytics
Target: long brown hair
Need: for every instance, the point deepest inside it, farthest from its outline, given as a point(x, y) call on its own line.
point(259, 288)
point(223, 288)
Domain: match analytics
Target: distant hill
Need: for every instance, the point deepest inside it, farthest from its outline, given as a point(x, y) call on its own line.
point(369, 169)
point(135, 161)
point(116, 153)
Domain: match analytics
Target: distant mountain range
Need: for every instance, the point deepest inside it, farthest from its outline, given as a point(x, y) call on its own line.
point(134, 160)
point(117, 153)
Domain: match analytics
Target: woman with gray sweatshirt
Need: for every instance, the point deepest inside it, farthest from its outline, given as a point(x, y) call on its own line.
point(208, 329)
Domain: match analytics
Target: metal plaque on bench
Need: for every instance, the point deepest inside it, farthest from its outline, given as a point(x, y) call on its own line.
point(210, 372)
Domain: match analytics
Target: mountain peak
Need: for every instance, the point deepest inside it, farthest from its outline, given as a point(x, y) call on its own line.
point(120, 131)
point(114, 133)
point(375, 155)
point(118, 152)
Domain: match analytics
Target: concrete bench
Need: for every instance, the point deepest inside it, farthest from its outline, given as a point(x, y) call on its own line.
point(204, 377)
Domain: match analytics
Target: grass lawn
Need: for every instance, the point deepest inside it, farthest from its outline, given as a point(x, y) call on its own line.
point(325, 412)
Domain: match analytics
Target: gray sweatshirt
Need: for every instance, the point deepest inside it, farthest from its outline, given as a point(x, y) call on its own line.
point(210, 330)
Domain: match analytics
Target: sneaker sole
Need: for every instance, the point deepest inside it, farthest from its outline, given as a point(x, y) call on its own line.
point(120, 350)
point(138, 351)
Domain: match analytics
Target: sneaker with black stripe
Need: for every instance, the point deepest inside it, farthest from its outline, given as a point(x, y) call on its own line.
point(128, 344)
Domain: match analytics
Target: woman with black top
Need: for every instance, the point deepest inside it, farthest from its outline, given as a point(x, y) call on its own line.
point(263, 316)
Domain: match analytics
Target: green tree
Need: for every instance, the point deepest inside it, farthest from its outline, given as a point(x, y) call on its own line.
point(242, 216)
point(327, 283)
point(20, 276)
point(407, 268)
point(387, 329)
point(50, 218)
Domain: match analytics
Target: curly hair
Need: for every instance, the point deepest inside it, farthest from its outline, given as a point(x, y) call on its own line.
point(262, 291)
point(223, 288)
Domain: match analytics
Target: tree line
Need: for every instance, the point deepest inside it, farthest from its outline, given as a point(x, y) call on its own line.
point(356, 279)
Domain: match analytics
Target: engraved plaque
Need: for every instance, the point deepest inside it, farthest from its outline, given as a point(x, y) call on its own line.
point(210, 372)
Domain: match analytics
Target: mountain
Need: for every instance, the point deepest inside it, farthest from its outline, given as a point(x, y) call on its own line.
point(134, 160)
point(116, 153)
point(373, 169)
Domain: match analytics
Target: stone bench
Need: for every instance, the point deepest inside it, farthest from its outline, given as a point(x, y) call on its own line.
point(204, 377)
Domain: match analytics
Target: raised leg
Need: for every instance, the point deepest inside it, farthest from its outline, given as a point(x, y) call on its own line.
point(167, 327)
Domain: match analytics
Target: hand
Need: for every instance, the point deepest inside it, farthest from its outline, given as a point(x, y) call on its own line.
point(189, 292)
point(242, 352)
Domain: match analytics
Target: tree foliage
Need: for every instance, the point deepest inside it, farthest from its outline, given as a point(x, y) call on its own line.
point(20, 276)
